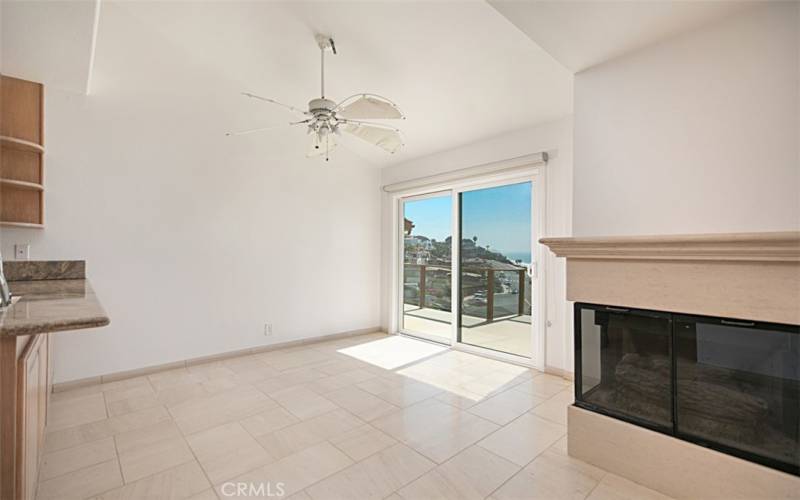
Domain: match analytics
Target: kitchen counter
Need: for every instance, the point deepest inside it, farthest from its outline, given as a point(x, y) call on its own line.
point(50, 306)
point(48, 297)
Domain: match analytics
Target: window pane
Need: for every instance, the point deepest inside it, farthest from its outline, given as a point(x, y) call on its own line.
point(427, 249)
point(495, 255)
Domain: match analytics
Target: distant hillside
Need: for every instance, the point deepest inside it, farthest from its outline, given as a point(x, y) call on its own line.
point(470, 250)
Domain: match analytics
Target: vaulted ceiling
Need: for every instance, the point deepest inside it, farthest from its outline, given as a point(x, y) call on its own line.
point(461, 71)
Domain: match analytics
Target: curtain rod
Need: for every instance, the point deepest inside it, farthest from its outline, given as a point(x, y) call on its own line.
point(494, 167)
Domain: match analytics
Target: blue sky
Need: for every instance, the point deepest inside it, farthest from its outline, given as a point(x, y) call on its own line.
point(499, 217)
point(431, 216)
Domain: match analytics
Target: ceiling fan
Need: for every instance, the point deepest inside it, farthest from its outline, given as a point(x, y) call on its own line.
point(326, 119)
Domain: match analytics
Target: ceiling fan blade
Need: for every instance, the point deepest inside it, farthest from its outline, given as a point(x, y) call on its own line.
point(384, 137)
point(369, 106)
point(263, 129)
point(322, 147)
point(273, 101)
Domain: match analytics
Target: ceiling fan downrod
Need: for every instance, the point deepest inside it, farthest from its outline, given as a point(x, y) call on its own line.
point(325, 42)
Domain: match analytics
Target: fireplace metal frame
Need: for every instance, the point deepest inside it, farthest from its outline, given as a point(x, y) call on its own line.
point(673, 430)
point(579, 369)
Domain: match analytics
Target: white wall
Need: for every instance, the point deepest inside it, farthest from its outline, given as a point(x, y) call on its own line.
point(193, 240)
point(696, 134)
point(554, 137)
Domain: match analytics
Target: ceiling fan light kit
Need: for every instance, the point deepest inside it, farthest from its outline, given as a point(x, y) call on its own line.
point(326, 119)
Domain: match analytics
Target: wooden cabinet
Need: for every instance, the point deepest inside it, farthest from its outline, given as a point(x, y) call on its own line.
point(32, 380)
point(24, 391)
point(21, 153)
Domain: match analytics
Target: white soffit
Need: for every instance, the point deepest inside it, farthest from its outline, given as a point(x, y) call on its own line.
point(48, 41)
point(580, 34)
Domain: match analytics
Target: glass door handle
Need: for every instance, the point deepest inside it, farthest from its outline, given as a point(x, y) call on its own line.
point(737, 323)
point(532, 269)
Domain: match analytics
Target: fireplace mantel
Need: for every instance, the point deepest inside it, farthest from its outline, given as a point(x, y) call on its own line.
point(752, 247)
point(753, 276)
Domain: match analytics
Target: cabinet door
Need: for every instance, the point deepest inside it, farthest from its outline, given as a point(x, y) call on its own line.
point(29, 416)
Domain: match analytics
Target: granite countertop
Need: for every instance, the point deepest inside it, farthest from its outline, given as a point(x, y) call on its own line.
point(51, 302)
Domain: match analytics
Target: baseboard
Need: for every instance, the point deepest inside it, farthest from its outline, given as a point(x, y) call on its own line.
point(148, 370)
point(559, 372)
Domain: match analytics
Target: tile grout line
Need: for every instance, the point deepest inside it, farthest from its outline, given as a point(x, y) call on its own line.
point(172, 419)
point(196, 459)
point(298, 451)
point(124, 484)
point(244, 429)
point(40, 480)
point(365, 459)
point(522, 469)
point(119, 467)
point(598, 484)
point(396, 441)
point(119, 460)
point(506, 425)
point(83, 468)
point(491, 453)
point(166, 439)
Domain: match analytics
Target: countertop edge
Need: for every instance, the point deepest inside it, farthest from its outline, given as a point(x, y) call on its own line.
point(69, 313)
point(55, 327)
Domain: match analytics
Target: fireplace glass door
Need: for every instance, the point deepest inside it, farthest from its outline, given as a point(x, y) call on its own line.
point(738, 385)
point(625, 365)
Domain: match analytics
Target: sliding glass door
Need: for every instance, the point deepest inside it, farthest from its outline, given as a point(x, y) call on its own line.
point(495, 257)
point(426, 267)
point(482, 291)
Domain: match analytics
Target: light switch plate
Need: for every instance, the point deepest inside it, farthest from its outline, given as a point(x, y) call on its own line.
point(22, 251)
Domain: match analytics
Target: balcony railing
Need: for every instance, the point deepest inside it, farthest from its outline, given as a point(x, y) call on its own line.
point(474, 278)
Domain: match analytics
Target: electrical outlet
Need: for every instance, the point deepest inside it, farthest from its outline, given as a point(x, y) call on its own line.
point(22, 251)
point(267, 329)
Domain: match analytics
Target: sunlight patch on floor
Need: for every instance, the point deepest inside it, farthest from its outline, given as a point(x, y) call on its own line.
point(392, 352)
point(465, 375)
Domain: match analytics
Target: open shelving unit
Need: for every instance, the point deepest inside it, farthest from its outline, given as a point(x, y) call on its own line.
point(21, 153)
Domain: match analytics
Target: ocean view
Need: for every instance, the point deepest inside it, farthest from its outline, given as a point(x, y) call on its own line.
point(524, 257)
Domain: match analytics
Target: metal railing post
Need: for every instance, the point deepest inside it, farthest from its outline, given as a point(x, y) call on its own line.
point(421, 287)
point(490, 295)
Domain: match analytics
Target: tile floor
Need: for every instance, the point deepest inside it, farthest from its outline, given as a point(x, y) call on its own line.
point(366, 417)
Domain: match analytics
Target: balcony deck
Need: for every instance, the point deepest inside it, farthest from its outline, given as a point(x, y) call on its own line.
point(510, 334)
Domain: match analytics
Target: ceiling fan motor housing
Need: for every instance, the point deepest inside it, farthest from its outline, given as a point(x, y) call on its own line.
point(323, 107)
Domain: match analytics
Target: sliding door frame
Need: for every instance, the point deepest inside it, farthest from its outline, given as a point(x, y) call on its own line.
point(532, 173)
point(401, 265)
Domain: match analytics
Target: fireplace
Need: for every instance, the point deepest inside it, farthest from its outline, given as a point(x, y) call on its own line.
point(730, 385)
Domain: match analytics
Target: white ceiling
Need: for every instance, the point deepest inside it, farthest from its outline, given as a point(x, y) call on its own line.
point(583, 33)
point(459, 71)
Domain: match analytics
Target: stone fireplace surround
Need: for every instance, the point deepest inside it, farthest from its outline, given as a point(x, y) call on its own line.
point(749, 276)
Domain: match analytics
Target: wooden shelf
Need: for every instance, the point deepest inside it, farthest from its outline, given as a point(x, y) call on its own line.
point(20, 144)
point(21, 153)
point(22, 224)
point(32, 186)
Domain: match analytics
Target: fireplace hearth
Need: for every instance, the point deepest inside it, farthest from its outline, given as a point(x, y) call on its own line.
point(730, 385)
